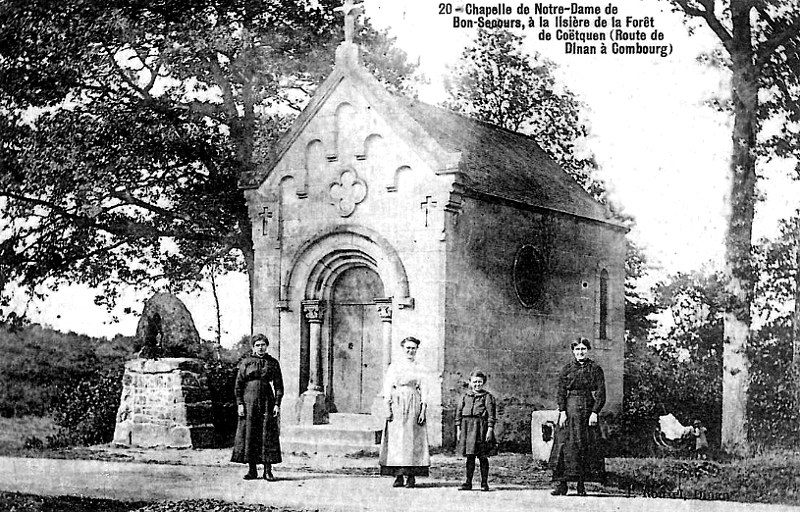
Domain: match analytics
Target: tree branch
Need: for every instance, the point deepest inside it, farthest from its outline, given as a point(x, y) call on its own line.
point(708, 15)
point(128, 228)
point(124, 76)
point(224, 85)
point(777, 39)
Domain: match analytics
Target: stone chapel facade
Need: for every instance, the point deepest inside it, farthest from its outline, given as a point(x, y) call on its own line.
point(380, 217)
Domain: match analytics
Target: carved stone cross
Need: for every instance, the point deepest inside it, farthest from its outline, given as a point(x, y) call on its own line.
point(266, 215)
point(350, 11)
point(427, 205)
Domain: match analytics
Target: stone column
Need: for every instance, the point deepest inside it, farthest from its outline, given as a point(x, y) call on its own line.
point(312, 402)
point(313, 311)
point(384, 306)
point(385, 312)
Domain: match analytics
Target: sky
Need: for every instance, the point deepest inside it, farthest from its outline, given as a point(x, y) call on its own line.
point(662, 151)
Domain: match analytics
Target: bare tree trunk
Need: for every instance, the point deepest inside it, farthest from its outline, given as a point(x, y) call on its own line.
point(249, 260)
point(796, 318)
point(738, 238)
point(219, 315)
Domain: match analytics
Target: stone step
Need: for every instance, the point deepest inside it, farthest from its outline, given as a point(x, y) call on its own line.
point(310, 447)
point(352, 421)
point(330, 439)
point(330, 434)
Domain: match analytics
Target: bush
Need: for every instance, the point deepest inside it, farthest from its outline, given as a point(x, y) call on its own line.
point(773, 419)
point(681, 371)
point(767, 479)
point(86, 411)
point(221, 378)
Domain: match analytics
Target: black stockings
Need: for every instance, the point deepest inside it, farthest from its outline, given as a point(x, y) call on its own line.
point(484, 462)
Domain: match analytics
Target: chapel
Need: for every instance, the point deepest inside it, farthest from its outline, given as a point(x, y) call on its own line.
point(381, 217)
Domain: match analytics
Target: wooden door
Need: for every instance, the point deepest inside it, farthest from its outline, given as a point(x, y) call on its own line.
point(356, 340)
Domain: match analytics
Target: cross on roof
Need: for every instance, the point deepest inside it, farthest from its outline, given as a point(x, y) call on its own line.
point(350, 11)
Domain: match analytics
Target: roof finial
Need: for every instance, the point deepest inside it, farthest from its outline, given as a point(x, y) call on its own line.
point(350, 11)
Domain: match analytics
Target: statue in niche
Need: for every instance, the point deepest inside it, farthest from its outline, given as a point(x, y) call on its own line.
point(166, 329)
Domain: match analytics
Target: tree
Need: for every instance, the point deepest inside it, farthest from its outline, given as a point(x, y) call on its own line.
point(497, 82)
point(639, 310)
point(126, 124)
point(761, 41)
point(677, 368)
point(776, 360)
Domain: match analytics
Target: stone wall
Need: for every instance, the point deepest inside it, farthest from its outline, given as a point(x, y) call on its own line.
point(164, 402)
point(523, 348)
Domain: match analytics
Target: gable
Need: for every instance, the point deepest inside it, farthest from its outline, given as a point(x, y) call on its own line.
point(488, 159)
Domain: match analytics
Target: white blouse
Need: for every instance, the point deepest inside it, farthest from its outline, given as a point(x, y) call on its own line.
point(406, 373)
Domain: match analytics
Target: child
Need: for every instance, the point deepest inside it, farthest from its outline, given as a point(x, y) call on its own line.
point(700, 442)
point(476, 416)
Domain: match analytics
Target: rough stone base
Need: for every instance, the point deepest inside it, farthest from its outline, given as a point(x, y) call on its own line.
point(542, 430)
point(312, 408)
point(165, 403)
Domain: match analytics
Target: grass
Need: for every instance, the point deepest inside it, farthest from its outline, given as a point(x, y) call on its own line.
point(764, 478)
point(14, 432)
point(18, 502)
point(768, 478)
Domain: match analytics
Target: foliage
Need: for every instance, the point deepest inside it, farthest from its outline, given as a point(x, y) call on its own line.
point(77, 380)
point(776, 263)
point(221, 378)
point(86, 411)
point(496, 82)
point(22, 433)
point(678, 371)
point(19, 502)
point(125, 127)
point(760, 42)
point(38, 362)
point(774, 420)
point(639, 310)
point(768, 478)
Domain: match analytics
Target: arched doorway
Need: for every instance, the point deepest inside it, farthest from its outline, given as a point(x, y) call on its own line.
point(355, 336)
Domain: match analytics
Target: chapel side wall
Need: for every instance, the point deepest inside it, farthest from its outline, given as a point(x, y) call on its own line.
point(522, 349)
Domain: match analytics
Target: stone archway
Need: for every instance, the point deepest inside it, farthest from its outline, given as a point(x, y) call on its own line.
point(312, 279)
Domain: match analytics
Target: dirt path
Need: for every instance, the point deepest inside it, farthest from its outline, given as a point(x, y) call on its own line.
point(214, 478)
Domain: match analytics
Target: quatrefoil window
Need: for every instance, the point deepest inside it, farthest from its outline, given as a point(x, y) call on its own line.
point(348, 192)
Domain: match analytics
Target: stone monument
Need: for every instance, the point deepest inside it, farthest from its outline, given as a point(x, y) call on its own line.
point(165, 401)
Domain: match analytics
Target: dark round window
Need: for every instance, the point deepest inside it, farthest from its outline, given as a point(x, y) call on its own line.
point(529, 276)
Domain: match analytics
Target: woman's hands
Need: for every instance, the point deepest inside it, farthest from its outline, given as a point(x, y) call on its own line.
point(490, 435)
point(562, 418)
point(421, 418)
point(276, 411)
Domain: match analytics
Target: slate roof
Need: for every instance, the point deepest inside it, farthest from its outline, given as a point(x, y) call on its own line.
point(494, 161)
point(506, 164)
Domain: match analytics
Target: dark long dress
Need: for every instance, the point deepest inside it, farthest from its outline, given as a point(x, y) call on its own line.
point(259, 387)
point(577, 452)
point(475, 414)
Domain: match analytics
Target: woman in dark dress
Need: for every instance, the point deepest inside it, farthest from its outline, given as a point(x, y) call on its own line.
point(577, 454)
point(259, 390)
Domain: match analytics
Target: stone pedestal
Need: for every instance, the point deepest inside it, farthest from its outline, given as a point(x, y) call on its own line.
point(164, 402)
point(542, 429)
